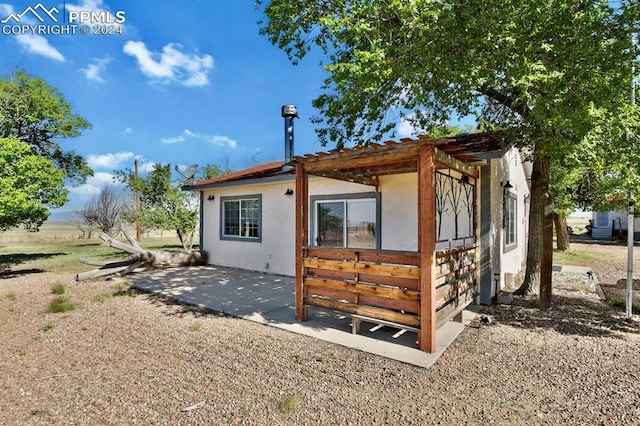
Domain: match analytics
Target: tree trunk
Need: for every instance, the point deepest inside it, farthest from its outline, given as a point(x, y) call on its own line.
point(139, 258)
point(539, 195)
point(546, 261)
point(562, 232)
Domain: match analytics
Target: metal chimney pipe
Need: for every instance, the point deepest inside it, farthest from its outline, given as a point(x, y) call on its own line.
point(289, 112)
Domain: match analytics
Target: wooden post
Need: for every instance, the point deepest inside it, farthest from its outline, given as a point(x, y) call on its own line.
point(302, 239)
point(427, 247)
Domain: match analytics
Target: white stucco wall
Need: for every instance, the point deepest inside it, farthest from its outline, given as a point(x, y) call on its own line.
point(508, 262)
point(399, 202)
point(276, 252)
point(278, 230)
point(399, 219)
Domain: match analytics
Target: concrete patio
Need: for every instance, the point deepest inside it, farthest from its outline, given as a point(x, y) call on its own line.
point(269, 299)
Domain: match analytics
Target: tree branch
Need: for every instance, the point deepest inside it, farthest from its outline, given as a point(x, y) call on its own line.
point(510, 101)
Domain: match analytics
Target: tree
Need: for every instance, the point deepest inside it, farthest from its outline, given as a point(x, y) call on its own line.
point(105, 211)
point(29, 186)
point(38, 115)
point(565, 175)
point(163, 205)
point(541, 66)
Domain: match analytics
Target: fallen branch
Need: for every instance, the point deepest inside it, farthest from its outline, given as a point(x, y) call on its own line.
point(194, 406)
point(139, 258)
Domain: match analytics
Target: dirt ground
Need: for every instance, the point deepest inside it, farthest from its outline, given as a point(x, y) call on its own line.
point(609, 262)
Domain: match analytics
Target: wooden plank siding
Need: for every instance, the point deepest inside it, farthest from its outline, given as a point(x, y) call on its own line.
point(390, 288)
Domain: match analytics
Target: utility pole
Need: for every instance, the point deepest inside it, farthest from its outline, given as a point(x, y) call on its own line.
point(135, 165)
point(630, 215)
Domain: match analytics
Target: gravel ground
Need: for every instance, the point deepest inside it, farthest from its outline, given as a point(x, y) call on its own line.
point(137, 360)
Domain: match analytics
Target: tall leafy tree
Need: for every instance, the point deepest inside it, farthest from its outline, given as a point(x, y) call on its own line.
point(29, 186)
point(163, 203)
point(38, 114)
point(541, 66)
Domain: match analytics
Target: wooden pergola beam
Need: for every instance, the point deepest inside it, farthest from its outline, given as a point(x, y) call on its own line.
point(352, 177)
point(448, 161)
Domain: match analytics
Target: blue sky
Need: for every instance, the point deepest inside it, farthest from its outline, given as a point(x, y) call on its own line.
point(186, 82)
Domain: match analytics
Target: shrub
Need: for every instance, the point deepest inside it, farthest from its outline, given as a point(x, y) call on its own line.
point(288, 404)
point(61, 304)
point(58, 289)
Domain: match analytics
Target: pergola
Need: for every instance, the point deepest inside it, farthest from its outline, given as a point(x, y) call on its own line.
point(418, 290)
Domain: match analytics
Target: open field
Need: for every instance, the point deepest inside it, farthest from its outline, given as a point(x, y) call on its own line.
point(54, 231)
point(95, 353)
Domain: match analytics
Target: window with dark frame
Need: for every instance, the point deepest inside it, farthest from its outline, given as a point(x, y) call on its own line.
point(510, 223)
point(347, 220)
point(241, 218)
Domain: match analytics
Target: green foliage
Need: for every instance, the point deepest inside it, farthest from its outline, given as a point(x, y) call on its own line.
point(289, 404)
point(619, 303)
point(538, 65)
point(163, 205)
point(612, 166)
point(60, 305)
point(29, 186)
point(46, 327)
point(37, 114)
point(59, 289)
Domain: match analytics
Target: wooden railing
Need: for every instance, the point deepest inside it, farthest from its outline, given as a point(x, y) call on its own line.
point(385, 284)
point(371, 283)
point(456, 281)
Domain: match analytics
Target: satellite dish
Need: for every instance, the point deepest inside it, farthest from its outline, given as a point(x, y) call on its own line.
point(189, 172)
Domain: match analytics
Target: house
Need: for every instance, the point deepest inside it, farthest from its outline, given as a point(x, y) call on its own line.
point(605, 225)
point(405, 233)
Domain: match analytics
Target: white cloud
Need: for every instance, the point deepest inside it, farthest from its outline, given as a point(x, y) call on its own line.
point(95, 68)
point(173, 140)
point(218, 140)
point(33, 43)
point(108, 161)
point(405, 129)
point(40, 46)
point(146, 167)
point(127, 131)
point(223, 141)
point(94, 185)
point(171, 65)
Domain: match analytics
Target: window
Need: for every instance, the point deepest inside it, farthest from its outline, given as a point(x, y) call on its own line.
point(347, 220)
point(241, 218)
point(510, 228)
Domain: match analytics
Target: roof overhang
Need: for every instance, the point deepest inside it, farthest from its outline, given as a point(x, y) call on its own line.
point(365, 164)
